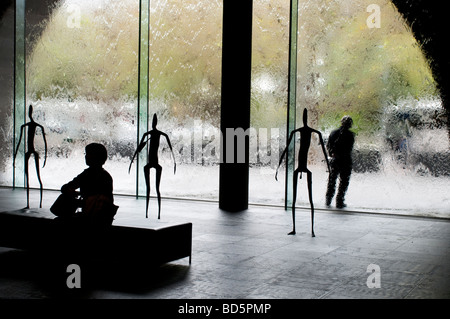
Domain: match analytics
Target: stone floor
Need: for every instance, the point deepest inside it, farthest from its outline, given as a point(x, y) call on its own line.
point(248, 255)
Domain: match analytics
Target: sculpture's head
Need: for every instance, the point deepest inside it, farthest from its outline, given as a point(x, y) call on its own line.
point(155, 121)
point(30, 111)
point(305, 117)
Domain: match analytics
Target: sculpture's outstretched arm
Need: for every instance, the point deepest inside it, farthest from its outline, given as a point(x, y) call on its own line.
point(18, 144)
point(324, 150)
point(140, 147)
point(171, 149)
point(45, 145)
point(284, 152)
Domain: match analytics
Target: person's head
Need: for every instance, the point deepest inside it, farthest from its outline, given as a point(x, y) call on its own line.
point(96, 154)
point(305, 117)
point(155, 121)
point(346, 122)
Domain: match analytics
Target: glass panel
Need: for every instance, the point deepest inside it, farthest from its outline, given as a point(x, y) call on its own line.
point(7, 30)
point(361, 59)
point(19, 93)
point(292, 102)
point(82, 79)
point(185, 75)
point(82, 82)
point(269, 99)
point(143, 76)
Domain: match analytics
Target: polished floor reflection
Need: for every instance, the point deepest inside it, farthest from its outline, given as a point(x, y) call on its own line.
point(249, 255)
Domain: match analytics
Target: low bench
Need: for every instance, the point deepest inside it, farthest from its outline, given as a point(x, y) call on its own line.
point(39, 230)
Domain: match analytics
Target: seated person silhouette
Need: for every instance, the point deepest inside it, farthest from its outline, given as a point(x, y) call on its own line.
point(154, 137)
point(305, 142)
point(95, 186)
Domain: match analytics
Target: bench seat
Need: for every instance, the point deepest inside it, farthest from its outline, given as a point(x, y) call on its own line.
point(39, 230)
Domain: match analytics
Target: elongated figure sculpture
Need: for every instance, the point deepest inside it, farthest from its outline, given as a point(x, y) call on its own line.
point(153, 136)
point(32, 128)
point(305, 142)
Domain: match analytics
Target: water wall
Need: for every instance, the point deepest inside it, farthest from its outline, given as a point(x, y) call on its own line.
point(82, 64)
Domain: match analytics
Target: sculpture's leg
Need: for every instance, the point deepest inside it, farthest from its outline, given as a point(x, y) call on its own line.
point(158, 193)
point(147, 183)
point(294, 198)
point(27, 180)
point(36, 162)
point(309, 176)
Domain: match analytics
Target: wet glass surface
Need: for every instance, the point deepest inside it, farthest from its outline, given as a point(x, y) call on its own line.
point(82, 78)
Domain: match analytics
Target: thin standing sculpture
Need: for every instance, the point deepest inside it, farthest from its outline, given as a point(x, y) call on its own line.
point(305, 142)
point(32, 126)
point(154, 137)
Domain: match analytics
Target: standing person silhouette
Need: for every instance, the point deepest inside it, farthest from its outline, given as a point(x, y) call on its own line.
point(340, 146)
point(154, 136)
point(305, 142)
point(32, 127)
